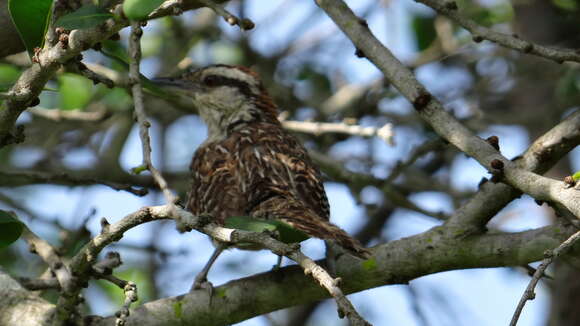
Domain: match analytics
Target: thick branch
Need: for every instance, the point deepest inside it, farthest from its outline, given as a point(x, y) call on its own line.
point(21, 307)
point(539, 157)
point(397, 262)
point(436, 250)
point(432, 111)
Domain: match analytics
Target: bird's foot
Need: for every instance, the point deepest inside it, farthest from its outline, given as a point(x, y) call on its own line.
point(201, 283)
point(278, 264)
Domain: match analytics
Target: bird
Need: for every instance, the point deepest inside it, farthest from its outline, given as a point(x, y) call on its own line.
point(249, 165)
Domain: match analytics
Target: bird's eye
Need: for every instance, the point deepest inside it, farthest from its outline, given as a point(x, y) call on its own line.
point(211, 81)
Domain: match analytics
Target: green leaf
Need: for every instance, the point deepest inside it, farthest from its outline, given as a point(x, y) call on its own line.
point(75, 91)
point(8, 76)
point(10, 229)
point(568, 5)
point(116, 51)
point(117, 99)
point(424, 28)
point(31, 18)
point(576, 176)
point(140, 9)
point(86, 16)
point(287, 233)
point(500, 13)
point(138, 169)
point(567, 85)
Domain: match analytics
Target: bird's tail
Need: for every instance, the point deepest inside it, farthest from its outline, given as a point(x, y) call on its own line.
point(335, 233)
point(306, 220)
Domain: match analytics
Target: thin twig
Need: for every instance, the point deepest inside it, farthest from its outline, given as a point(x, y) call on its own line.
point(170, 7)
point(418, 152)
point(119, 79)
point(64, 178)
point(549, 257)
point(63, 115)
point(385, 132)
point(449, 9)
point(103, 270)
point(81, 264)
point(39, 283)
point(230, 18)
point(345, 307)
point(137, 91)
point(112, 279)
point(130, 291)
point(336, 171)
point(112, 260)
point(50, 256)
point(80, 68)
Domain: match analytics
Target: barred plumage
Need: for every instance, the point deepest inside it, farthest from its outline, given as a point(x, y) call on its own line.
point(250, 165)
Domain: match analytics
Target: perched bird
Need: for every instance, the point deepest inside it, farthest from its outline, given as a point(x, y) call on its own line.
point(249, 165)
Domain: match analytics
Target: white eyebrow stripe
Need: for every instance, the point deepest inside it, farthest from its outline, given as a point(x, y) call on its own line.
point(233, 73)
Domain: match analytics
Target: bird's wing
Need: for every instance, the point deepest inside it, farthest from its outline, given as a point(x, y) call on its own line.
point(214, 187)
point(282, 183)
point(274, 163)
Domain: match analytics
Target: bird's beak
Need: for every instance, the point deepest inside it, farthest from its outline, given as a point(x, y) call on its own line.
point(176, 85)
point(175, 90)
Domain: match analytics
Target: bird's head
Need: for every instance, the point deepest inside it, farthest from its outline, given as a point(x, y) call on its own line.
point(225, 96)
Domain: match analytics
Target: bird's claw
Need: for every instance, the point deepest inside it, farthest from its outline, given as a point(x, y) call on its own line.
point(278, 265)
point(201, 283)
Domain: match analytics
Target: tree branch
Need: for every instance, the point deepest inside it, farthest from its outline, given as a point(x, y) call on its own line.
point(245, 23)
point(21, 307)
point(449, 9)
point(49, 255)
point(186, 221)
point(31, 177)
point(397, 262)
point(137, 91)
point(81, 265)
point(546, 151)
point(385, 132)
point(63, 115)
point(549, 257)
point(432, 111)
point(31, 82)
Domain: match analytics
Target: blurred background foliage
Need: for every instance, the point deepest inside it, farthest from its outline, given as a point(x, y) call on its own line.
point(81, 142)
